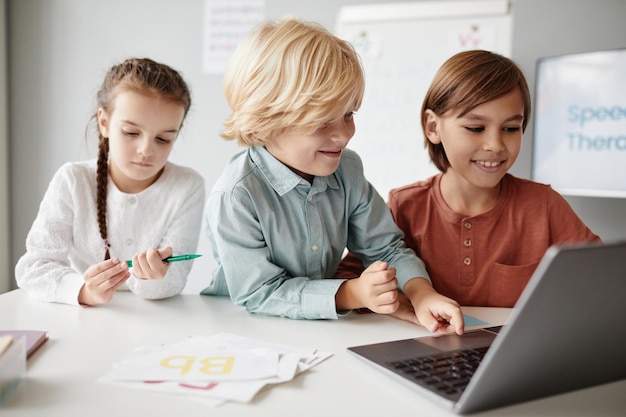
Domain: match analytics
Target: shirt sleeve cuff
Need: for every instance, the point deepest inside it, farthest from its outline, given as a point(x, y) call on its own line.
point(318, 299)
point(149, 289)
point(68, 289)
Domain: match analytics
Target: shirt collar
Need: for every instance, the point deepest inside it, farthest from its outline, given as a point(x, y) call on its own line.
point(280, 177)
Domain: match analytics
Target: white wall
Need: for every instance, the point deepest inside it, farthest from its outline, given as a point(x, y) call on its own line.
point(59, 51)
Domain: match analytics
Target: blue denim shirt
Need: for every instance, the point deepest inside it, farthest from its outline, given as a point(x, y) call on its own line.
point(276, 237)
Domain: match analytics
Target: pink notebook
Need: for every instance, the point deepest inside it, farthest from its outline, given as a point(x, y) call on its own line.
point(34, 338)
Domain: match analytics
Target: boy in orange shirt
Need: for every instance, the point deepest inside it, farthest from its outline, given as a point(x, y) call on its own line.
point(480, 231)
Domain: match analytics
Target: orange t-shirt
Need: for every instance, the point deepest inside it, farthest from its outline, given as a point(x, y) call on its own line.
point(484, 260)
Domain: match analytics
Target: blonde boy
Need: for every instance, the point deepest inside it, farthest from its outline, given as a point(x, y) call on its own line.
point(284, 210)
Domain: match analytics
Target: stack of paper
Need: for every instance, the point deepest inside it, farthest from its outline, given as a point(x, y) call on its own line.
point(220, 368)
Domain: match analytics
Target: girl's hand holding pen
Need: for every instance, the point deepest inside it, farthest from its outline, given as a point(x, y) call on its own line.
point(150, 265)
point(102, 280)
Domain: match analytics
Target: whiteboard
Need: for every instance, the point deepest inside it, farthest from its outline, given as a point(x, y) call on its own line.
point(401, 46)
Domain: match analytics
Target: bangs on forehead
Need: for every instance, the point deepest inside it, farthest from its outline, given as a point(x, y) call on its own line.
point(478, 96)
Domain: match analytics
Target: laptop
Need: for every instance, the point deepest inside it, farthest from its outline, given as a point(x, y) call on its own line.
point(566, 332)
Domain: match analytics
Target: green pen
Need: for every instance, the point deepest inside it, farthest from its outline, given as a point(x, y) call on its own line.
point(172, 259)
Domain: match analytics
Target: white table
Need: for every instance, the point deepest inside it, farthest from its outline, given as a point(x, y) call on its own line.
point(61, 378)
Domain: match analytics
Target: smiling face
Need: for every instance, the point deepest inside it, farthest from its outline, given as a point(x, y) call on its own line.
point(141, 131)
point(316, 154)
point(481, 145)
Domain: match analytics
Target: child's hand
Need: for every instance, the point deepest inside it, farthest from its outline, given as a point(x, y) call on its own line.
point(376, 289)
point(102, 280)
point(150, 265)
point(434, 311)
point(405, 309)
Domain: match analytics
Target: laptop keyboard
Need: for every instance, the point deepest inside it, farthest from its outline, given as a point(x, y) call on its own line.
point(446, 373)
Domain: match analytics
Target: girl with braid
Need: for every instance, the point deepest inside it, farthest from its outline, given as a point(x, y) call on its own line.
point(130, 203)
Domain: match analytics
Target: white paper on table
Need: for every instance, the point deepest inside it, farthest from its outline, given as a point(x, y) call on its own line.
point(302, 358)
point(239, 391)
point(308, 356)
point(316, 359)
point(291, 361)
point(189, 362)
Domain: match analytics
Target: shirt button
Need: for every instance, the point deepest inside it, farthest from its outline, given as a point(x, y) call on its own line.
point(467, 242)
point(129, 242)
point(467, 225)
point(309, 198)
point(314, 247)
point(132, 200)
point(467, 261)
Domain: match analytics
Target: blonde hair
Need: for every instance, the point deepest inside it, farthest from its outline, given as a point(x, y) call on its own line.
point(466, 80)
point(289, 77)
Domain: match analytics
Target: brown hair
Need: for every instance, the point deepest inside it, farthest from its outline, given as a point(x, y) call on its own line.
point(467, 80)
point(143, 76)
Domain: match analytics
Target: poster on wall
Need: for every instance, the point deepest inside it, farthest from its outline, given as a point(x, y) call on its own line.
point(226, 22)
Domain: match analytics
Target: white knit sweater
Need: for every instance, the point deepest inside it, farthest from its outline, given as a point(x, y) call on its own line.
point(64, 239)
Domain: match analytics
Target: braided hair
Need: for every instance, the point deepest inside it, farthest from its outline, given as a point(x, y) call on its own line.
point(143, 76)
